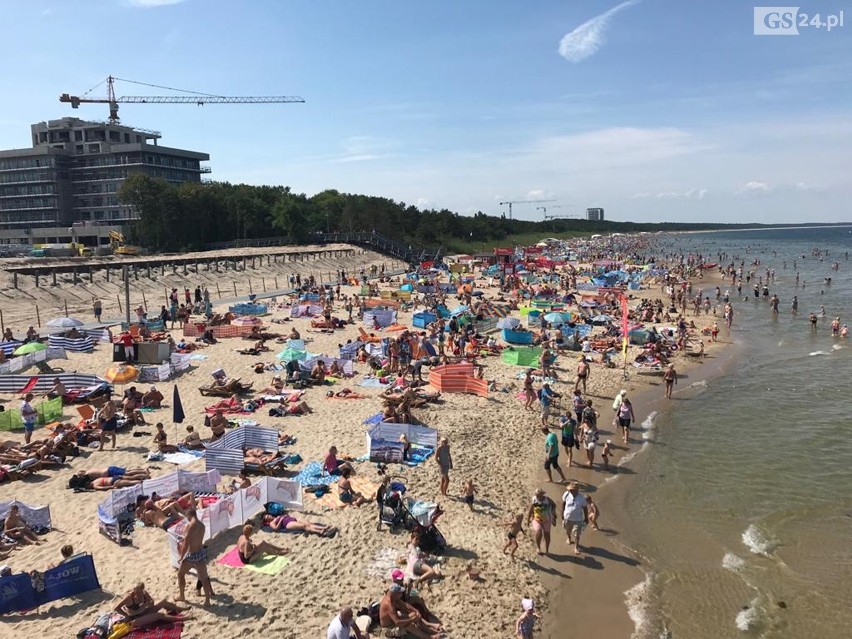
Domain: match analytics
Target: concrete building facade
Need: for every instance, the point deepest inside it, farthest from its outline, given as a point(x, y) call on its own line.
point(71, 175)
point(595, 214)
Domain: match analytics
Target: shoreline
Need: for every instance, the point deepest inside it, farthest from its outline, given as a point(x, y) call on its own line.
point(609, 571)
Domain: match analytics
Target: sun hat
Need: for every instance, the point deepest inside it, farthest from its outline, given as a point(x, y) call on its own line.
point(397, 575)
point(527, 604)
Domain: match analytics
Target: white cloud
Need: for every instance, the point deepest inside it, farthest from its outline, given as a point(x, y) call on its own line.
point(755, 187)
point(150, 4)
point(585, 41)
point(691, 194)
point(422, 203)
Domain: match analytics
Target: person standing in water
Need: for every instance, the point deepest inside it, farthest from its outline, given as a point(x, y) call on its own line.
point(670, 378)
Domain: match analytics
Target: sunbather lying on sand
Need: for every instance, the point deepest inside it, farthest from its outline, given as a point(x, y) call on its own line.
point(285, 521)
point(108, 478)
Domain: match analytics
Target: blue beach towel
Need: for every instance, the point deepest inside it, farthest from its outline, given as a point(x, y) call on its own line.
point(311, 474)
point(378, 418)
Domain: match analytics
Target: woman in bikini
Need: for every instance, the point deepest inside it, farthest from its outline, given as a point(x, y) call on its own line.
point(285, 521)
point(346, 494)
point(138, 602)
point(248, 550)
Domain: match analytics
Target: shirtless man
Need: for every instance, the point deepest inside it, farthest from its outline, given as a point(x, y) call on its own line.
point(395, 613)
point(582, 374)
point(154, 516)
point(17, 529)
point(193, 555)
point(670, 378)
point(218, 423)
point(58, 389)
point(108, 421)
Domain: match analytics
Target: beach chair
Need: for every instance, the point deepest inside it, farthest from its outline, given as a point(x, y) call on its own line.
point(268, 468)
point(46, 369)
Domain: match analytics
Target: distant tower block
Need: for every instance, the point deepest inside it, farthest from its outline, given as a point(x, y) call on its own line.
point(595, 215)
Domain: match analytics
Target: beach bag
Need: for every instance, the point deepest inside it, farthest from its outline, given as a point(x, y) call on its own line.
point(275, 508)
point(119, 630)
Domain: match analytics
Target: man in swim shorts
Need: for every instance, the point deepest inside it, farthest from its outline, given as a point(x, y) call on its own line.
point(193, 555)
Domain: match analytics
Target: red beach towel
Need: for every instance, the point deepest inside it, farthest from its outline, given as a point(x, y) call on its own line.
point(160, 631)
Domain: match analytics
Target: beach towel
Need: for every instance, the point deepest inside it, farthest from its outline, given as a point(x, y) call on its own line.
point(179, 458)
point(311, 474)
point(378, 418)
point(384, 561)
point(198, 357)
point(371, 382)
point(160, 631)
point(267, 564)
point(359, 485)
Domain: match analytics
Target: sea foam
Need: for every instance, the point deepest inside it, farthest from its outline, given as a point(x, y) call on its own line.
point(638, 606)
point(732, 562)
point(748, 618)
point(758, 542)
point(815, 353)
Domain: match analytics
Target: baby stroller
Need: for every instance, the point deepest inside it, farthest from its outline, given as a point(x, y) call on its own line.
point(396, 510)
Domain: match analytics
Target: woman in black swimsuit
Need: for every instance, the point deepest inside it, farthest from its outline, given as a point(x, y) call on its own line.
point(248, 550)
point(138, 602)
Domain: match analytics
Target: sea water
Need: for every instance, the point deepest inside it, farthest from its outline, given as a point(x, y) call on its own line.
point(741, 507)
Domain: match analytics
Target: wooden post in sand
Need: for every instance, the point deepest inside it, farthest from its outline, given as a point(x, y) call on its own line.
point(107, 273)
point(36, 279)
point(91, 276)
point(217, 288)
point(38, 317)
point(162, 269)
point(276, 282)
point(235, 288)
point(149, 271)
point(135, 272)
point(144, 302)
point(119, 302)
point(2, 325)
point(263, 281)
point(184, 268)
point(251, 292)
point(66, 308)
point(15, 279)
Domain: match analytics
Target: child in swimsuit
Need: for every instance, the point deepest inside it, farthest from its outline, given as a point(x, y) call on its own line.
point(515, 528)
point(469, 493)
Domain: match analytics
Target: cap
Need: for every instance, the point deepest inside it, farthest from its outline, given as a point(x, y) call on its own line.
point(527, 604)
point(397, 575)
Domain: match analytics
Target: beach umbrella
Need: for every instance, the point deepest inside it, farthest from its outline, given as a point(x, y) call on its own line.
point(557, 318)
point(510, 323)
point(601, 319)
point(30, 347)
point(246, 321)
point(121, 374)
point(177, 407)
point(64, 322)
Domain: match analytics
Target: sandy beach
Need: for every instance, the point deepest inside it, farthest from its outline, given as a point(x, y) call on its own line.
point(494, 441)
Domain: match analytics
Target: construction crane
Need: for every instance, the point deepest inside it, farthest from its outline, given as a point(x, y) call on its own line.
point(511, 202)
point(553, 217)
point(197, 98)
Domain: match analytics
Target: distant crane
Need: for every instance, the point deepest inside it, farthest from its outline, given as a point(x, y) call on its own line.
point(511, 202)
point(196, 98)
point(553, 217)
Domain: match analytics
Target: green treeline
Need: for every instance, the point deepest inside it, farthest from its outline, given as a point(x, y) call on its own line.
point(192, 215)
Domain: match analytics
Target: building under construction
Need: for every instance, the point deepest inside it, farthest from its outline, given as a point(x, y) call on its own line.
point(64, 188)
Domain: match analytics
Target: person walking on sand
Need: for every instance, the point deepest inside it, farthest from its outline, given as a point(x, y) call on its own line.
point(582, 373)
point(98, 308)
point(541, 517)
point(29, 416)
point(193, 554)
point(551, 449)
point(625, 417)
point(444, 459)
point(670, 378)
point(526, 622)
point(575, 515)
point(515, 526)
point(529, 392)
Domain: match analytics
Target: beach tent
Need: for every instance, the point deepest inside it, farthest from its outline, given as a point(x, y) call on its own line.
point(247, 320)
point(522, 356)
point(384, 445)
point(380, 318)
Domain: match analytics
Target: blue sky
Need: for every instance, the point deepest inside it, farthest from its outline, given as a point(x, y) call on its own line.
point(655, 109)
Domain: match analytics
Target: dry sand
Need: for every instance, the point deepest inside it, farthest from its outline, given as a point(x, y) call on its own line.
point(494, 442)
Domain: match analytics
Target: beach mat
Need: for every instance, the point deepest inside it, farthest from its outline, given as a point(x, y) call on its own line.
point(160, 631)
point(359, 485)
point(267, 565)
point(311, 475)
point(179, 458)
